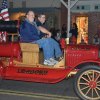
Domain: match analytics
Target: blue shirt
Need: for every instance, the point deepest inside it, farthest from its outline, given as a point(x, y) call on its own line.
point(29, 32)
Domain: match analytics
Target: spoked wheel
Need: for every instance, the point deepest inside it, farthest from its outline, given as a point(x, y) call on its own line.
point(87, 83)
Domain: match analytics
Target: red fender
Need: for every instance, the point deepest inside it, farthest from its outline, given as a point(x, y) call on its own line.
point(10, 50)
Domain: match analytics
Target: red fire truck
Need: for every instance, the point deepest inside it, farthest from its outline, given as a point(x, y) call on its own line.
point(23, 62)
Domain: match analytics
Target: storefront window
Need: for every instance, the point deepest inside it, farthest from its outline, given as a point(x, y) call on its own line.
point(82, 23)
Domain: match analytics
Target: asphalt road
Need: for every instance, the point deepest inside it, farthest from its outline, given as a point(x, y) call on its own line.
point(18, 90)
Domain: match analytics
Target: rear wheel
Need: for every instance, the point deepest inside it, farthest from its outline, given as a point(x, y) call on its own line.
point(87, 83)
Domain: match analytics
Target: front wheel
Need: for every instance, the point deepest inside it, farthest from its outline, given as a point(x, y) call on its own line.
point(87, 83)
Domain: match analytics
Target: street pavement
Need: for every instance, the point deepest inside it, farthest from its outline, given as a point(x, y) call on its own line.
point(18, 90)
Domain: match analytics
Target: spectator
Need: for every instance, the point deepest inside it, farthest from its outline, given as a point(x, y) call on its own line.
point(98, 33)
point(58, 35)
point(63, 31)
point(96, 39)
point(74, 32)
point(53, 31)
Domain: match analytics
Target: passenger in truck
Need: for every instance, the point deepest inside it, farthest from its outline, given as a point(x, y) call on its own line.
point(30, 32)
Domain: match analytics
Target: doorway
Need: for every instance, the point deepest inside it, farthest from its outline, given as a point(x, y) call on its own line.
point(82, 24)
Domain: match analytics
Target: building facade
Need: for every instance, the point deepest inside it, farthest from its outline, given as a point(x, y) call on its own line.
point(86, 13)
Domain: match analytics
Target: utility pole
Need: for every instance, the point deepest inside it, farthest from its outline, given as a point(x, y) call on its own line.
point(68, 5)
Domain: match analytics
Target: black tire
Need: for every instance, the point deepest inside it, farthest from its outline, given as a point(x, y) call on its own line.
point(87, 83)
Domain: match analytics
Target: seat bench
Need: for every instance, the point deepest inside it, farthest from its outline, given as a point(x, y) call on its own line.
point(30, 53)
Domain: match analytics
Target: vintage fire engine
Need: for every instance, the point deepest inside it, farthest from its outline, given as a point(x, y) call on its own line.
point(24, 62)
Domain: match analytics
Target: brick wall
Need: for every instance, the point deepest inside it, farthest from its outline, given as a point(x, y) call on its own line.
point(93, 22)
